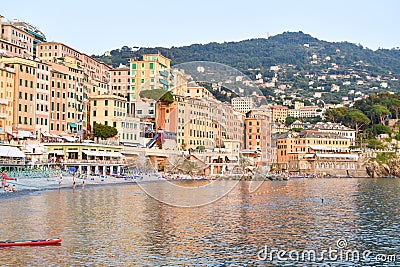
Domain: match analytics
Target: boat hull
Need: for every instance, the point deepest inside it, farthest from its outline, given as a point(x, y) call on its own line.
point(43, 242)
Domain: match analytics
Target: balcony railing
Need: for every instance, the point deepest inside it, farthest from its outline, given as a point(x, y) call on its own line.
point(3, 101)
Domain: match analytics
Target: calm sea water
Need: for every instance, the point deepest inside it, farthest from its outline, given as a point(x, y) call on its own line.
point(122, 226)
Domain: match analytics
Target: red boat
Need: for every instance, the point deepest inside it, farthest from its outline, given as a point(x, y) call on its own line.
point(9, 243)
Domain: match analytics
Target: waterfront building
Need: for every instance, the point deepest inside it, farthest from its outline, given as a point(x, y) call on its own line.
point(311, 151)
point(24, 93)
point(6, 100)
point(42, 110)
point(87, 158)
point(337, 128)
point(257, 128)
point(66, 98)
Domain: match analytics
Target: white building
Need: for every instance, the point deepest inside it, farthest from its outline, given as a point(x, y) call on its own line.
point(243, 104)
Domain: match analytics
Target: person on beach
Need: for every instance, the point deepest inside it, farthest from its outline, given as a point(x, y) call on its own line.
point(73, 185)
point(14, 188)
point(83, 185)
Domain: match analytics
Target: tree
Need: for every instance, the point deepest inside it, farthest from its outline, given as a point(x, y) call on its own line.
point(289, 120)
point(381, 111)
point(394, 105)
point(356, 119)
point(381, 129)
point(104, 131)
point(158, 95)
point(335, 114)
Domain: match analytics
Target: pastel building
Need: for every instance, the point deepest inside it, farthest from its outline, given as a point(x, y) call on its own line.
point(17, 37)
point(24, 93)
point(279, 113)
point(38, 36)
point(120, 81)
point(42, 110)
point(6, 99)
point(300, 152)
point(66, 98)
point(150, 72)
point(95, 69)
point(258, 135)
point(243, 104)
point(109, 110)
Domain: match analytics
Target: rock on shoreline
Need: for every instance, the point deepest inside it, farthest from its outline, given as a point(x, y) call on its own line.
point(377, 170)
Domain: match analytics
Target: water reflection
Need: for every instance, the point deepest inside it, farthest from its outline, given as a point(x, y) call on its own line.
point(122, 226)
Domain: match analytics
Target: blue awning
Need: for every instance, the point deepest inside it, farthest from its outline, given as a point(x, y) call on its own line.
point(164, 73)
point(164, 82)
point(72, 124)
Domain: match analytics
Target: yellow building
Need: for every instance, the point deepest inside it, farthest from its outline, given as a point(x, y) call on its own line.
point(151, 72)
point(108, 110)
point(279, 113)
point(24, 92)
point(305, 151)
point(6, 99)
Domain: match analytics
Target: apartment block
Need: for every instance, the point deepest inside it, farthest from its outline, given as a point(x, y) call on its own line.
point(42, 110)
point(150, 72)
point(279, 113)
point(6, 99)
point(24, 92)
point(120, 81)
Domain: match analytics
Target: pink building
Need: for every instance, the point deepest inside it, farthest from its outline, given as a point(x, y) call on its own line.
point(10, 50)
point(43, 77)
point(120, 81)
point(17, 37)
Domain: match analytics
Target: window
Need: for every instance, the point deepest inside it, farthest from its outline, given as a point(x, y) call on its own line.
point(94, 113)
point(151, 65)
point(105, 112)
point(134, 66)
point(105, 102)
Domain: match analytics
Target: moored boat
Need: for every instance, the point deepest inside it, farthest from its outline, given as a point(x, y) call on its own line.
point(39, 242)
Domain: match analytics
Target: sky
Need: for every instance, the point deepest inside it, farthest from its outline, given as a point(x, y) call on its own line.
point(94, 27)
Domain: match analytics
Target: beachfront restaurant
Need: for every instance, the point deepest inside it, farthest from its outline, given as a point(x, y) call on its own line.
point(12, 158)
point(90, 159)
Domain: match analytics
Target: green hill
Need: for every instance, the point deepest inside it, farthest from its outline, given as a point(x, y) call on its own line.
point(302, 59)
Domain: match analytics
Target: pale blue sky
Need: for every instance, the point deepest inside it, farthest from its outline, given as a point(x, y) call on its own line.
point(94, 27)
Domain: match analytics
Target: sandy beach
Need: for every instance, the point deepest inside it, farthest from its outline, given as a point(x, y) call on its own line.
point(25, 185)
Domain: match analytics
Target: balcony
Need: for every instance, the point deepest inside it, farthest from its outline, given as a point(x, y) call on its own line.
point(164, 73)
point(3, 101)
point(3, 116)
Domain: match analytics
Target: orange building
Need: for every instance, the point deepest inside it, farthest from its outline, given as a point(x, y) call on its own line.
point(6, 99)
